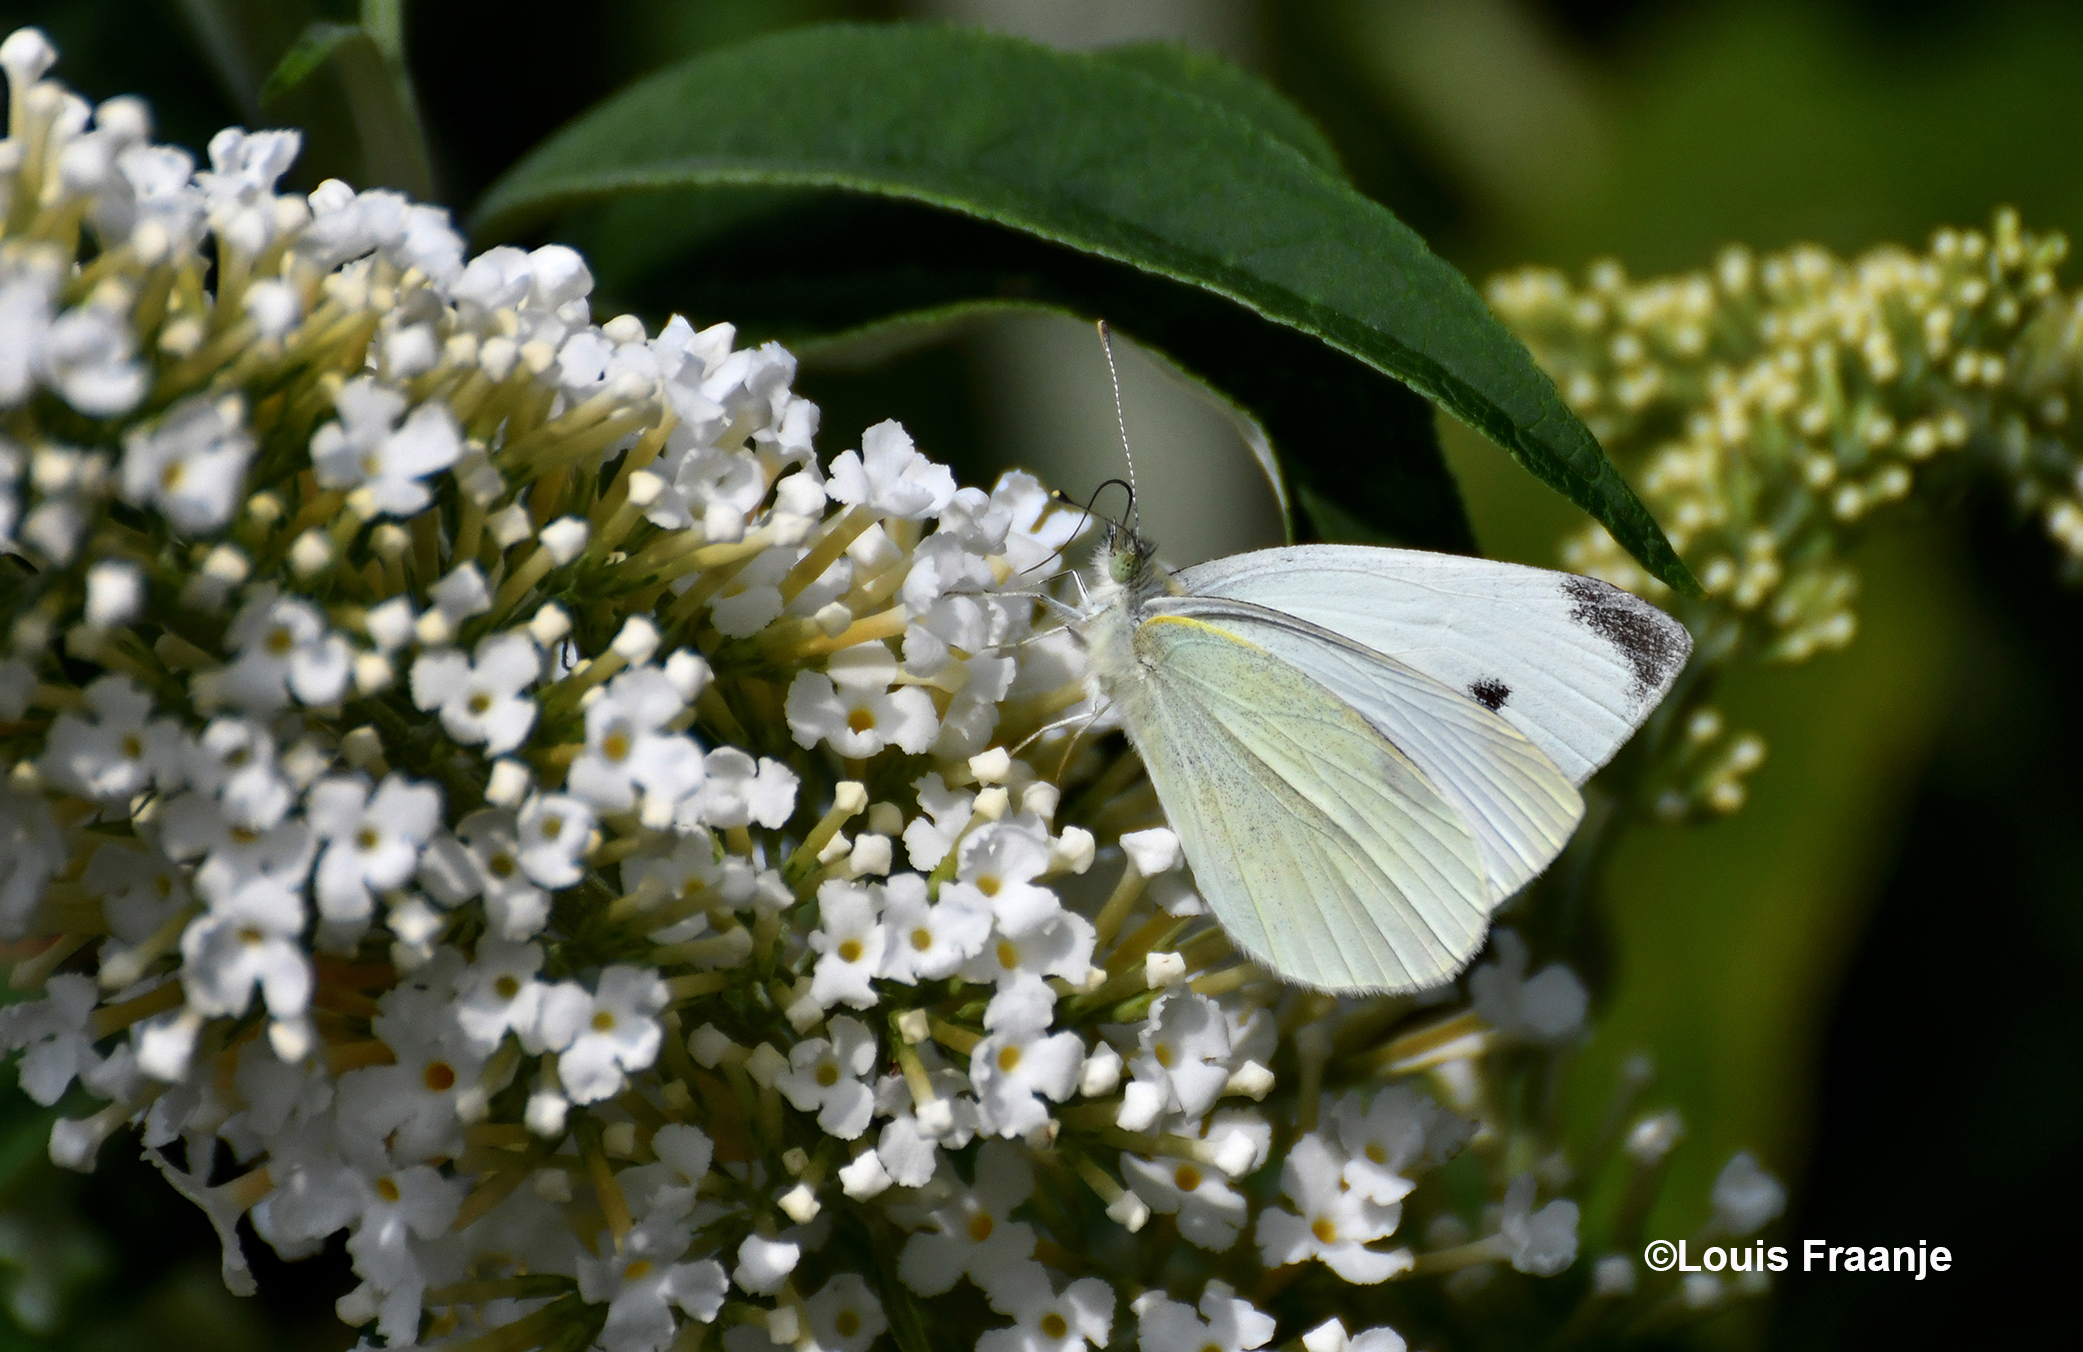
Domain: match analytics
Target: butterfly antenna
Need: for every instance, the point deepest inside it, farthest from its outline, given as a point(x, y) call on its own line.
point(1106, 343)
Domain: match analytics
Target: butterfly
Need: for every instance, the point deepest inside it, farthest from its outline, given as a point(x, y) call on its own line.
point(1365, 751)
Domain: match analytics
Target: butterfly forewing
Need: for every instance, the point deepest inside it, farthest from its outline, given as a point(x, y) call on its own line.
point(1571, 662)
point(1520, 807)
point(1322, 849)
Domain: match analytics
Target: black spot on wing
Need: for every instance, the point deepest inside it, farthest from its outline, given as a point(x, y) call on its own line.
point(1653, 643)
point(1490, 692)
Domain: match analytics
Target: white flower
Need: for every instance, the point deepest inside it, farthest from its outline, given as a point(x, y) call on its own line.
point(190, 465)
point(627, 748)
point(972, 1233)
point(999, 862)
point(945, 814)
point(284, 648)
point(764, 1264)
point(640, 1281)
point(926, 941)
point(498, 993)
point(1330, 1336)
point(115, 753)
point(483, 858)
point(1541, 1242)
point(140, 890)
point(89, 358)
point(372, 841)
point(1386, 1136)
point(1548, 1007)
point(851, 939)
point(1182, 1063)
point(737, 791)
point(1334, 1225)
point(1061, 948)
point(480, 700)
point(601, 1035)
point(394, 1208)
point(1210, 1211)
point(851, 706)
point(31, 853)
point(890, 475)
point(1046, 1320)
point(367, 450)
point(555, 831)
point(845, 1316)
point(825, 1077)
point(1746, 1197)
point(1020, 1063)
point(667, 1187)
point(56, 1033)
point(234, 762)
point(1225, 1323)
point(248, 938)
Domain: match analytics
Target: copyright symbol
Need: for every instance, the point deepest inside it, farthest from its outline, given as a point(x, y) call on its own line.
point(1661, 1255)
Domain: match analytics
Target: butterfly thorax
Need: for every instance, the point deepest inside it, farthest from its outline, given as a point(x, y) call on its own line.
point(1126, 578)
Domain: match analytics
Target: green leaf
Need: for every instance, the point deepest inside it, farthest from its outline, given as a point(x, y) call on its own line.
point(1224, 85)
point(312, 49)
point(1111, 164)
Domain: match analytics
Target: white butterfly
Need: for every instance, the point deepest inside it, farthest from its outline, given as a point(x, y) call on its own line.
point(1364, 751)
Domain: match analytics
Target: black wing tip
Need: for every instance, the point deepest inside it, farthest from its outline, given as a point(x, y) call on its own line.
point(1654, 644)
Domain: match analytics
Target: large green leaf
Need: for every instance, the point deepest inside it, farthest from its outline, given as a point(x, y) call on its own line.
point(1137, 166)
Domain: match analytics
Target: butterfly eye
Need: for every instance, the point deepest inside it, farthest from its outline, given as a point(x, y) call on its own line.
point(1122, 565)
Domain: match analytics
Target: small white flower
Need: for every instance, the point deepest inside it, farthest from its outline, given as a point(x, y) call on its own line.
point(628, 749)
point(372, 841)
point(284, 648)
point(1548, 1007)
point(845, 1316)
point(140, 890)
point(1211, 1213)
point(1061, 948)
point(945, 815)
point(1542, 1242)
point(366, 449)
point(1386, 1136)
point(1330, 1336)
point(764, 1264)
point(851, 939)
point(31, 853)
point(1225, 1323)
point(234, 762)
point(972, 1232)
point(56, 1032)
point(999, 862)
point(483, 858)
point(480, 700)
point(737, 791)
point(394, 1209)
point(890, 475)
point(1021, 1063)
point(1746, 1197)
point(498, 993)
point(248, 938)
point(851, 706)
point(927, 941)
point(1334, 1225)
point(555, 830)
point(825, 1077)
point(190, 465)
point(1046, 1320)
point(116, 750)
point(640, 1281)
point(601, 1035)
point(1182, 1063)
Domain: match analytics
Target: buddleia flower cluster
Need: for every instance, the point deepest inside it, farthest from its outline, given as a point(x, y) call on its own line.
point(477, 781)
point(1767, 408)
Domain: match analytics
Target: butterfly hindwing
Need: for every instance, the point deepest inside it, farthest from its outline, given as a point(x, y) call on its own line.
point(1322, 849)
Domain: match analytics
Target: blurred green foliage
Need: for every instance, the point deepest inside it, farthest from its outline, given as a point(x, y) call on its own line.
point(1915, 798)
